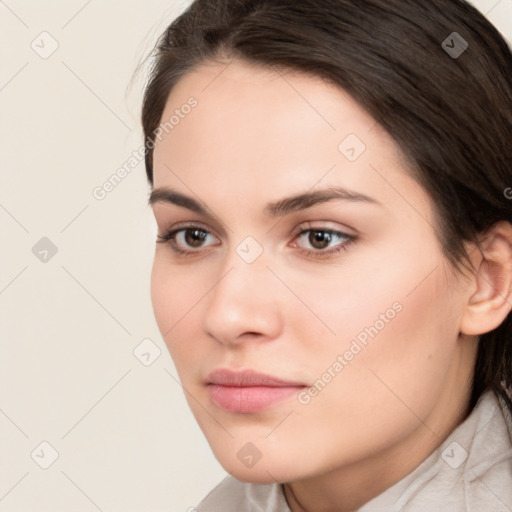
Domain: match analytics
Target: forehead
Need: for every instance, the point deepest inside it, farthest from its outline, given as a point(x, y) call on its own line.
point(271, 130)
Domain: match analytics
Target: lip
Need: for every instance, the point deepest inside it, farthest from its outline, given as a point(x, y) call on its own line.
point(248, 391)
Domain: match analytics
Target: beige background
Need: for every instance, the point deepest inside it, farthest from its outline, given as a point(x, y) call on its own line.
point(117, 425)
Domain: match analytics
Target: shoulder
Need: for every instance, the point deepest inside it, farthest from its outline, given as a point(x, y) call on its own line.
point(232, 495)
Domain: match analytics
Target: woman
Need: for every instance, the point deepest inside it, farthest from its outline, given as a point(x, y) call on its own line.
point(333, 277)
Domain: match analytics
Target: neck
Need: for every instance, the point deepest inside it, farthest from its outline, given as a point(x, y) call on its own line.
point(346, 489)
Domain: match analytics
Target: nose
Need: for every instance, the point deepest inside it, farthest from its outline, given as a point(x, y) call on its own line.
point(244, 304)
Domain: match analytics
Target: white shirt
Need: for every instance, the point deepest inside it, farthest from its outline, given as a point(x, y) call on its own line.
point(470, 471)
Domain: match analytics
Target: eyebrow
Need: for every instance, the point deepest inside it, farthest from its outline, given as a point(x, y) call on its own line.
point(276, 209)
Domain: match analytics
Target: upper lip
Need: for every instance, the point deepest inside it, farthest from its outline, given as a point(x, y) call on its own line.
point(246, 378)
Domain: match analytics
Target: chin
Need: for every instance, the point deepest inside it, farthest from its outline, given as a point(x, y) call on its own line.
point(252, 476)
point(268, 469)
point(258, 474)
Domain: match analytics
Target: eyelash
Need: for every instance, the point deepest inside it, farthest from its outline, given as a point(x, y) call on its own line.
point(170, 237)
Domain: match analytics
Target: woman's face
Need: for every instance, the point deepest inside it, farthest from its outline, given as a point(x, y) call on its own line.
point(303, 251)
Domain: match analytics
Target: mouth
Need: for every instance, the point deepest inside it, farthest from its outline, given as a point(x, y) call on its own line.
point(248, 391)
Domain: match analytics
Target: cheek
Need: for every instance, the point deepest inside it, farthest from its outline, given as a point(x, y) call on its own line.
point(396, 335)
point(162, 293)
point(174, 295)
point(379, 373)
point(395, 327)
point(397, 289)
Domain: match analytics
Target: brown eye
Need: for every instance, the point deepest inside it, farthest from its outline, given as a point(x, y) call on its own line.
point(188, 240)
point(195, 237)
point(320, 239)
point(323, 242)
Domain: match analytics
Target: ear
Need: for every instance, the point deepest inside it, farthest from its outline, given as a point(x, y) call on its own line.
point(490, 291)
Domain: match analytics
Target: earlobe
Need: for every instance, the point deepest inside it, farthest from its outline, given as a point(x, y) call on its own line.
point(490, 300)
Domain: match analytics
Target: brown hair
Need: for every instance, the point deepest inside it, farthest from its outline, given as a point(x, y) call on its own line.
point(450, 114)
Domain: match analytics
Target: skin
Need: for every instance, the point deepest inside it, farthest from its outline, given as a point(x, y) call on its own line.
point(257, 136)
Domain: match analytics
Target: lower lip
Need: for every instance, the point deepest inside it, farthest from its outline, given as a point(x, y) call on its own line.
point(250, 398)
